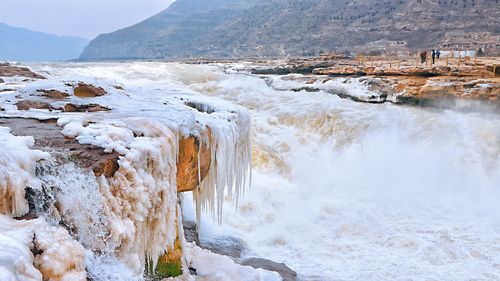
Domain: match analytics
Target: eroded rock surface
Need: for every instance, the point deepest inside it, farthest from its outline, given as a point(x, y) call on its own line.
point(468, 85)
point(32, 104)
point(93, 107)
point(8, 70)
point(84, 90)
point(191, 154)
point(354, 70)
point(48, 137)
point(441, 92)
point(53, 94)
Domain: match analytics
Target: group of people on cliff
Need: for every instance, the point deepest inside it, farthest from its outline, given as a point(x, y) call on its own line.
point(434, 54)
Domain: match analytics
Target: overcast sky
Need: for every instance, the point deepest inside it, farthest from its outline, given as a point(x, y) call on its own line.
point(85, 18)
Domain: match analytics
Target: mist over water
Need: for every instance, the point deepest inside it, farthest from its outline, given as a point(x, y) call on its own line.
point(349, 191)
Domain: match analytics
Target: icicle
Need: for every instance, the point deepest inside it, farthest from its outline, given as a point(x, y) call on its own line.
point(230, 148)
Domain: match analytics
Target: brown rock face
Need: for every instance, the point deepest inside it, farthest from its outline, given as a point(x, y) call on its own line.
point(187, 163)
point(32, 104)
point(106, 167)
point(93, 107)
point(88, 91)
point(53, 94)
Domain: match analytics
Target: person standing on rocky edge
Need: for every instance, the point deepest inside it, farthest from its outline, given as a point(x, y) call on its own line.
point(433, 56)
point(438, 54)
point(423, 56)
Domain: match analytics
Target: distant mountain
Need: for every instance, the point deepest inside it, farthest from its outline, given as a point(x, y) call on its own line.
point(236, 28)
point(171, 33)
point(20, 44)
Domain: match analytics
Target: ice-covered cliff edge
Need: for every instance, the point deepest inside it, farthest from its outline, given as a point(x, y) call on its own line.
point(95, 168)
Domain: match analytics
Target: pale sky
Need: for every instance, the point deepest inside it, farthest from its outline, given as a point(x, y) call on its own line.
point(85, 18)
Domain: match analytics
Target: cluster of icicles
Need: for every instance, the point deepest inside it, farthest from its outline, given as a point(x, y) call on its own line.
point(127, 219)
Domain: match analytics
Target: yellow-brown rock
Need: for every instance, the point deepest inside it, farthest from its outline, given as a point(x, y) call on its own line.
point(107, 167)
point(187, 162)
point(88, 91)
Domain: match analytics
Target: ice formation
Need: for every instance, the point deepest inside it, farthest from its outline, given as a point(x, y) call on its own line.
point(16, 258)
point(231, 168)
point(17, 165)
point(210, 266)
point(58, 256)
point(127, 219)
point(140, 198)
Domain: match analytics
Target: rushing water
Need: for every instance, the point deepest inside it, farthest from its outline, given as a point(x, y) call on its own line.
point(344, 190)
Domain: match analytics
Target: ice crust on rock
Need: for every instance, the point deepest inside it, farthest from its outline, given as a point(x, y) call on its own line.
point(141, 196)
point(210, 266)
point(16, 259)
point(59, 258)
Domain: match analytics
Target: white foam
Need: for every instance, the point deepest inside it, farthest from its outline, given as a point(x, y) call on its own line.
point(352, 191)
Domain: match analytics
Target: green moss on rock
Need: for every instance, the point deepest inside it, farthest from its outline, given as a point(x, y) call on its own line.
point(166, 269)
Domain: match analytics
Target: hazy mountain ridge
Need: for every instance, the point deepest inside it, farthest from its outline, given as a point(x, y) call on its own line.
point(20, 44)
point(170, 33)
point(234, 28)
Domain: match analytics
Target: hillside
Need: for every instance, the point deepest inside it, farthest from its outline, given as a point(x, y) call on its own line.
point(19, 44)
point(235, 28)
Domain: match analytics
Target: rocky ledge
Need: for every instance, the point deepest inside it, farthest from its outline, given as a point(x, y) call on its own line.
point(460, 93)
point(48, 137)
point(8, 70)
point(456, 83)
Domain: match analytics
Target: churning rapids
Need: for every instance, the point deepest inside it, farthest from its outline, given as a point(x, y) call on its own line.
point(344, 190)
